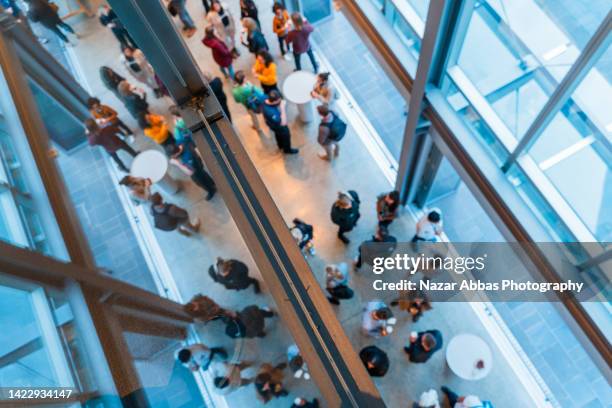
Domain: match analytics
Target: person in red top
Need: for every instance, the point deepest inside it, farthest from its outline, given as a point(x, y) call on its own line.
point(299, 39)
point(221, 54)
point(108, 138)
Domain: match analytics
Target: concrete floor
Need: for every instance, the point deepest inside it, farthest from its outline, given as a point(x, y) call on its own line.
point(302, 186)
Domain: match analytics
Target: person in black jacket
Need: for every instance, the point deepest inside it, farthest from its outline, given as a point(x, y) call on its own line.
point(255, 40)
point(375, 361)
point(216, 85)
point(303, 234)
point(249, 322)
point(41, 11)
point(135, 101)
point(345, 213)
point(108, 18)
point(248, 8)
point(423, 345)
point(232, 274)
point(381, 235)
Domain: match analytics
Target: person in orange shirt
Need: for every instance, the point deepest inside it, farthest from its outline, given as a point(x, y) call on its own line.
point(157, 129)
point(280, 26)
point(265, 70)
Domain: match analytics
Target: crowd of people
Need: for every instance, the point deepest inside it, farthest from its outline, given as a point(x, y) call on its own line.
point(263, 102)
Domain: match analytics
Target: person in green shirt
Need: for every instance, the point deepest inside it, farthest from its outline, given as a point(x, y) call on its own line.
point(249, 95)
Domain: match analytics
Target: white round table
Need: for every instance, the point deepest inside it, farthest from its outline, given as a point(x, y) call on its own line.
point(297, 88)
point(463, 353)
point(153, 164)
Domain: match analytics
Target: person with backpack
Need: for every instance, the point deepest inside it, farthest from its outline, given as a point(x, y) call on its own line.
point(254, 39)
point(336, 283)
point(169, 217)
point(249, 323)
point(184, 156)
point(250, 96)
point(303, 234)
point(331, 130)
point(275, 115)
point(199, 356)
point(345, 213)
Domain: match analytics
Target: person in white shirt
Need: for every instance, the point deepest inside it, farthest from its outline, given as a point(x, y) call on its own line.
point(428, 399)
point(468, 401)
point(196, 356)
point(429, 227)
point(377, 319)
point(222, 21)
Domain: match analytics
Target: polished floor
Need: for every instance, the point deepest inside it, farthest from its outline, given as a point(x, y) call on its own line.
point(303, 186)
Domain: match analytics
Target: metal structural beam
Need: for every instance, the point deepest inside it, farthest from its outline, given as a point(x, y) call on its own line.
point(44, 69)
point(597, 45)
point(304, 309)
point(125, 377)
point(36, 267)
point(410, 145)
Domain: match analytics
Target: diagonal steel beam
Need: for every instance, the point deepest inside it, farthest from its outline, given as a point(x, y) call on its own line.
point(597, 46)
point(336, 368)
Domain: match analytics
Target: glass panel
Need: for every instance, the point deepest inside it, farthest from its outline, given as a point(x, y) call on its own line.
point(574, 151)
point(406, 21)
point(25, 357)
point(63, 128)
point(26, 218)
point(72, 343)
point(501, 75)
point(538, 332)
point(316, 10)
point(363, 85)
point(380, 4)
point(420, 6)
point(553, 31)
point(475, 121)
point(529, 46)
point(406, 33)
